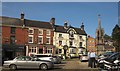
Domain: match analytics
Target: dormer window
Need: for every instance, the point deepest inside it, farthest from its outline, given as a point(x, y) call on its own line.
point(71, 34)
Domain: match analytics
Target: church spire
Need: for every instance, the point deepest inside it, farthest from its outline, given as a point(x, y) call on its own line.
point(99, 22)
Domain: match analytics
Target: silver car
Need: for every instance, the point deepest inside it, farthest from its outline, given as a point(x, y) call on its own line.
point(28, 62)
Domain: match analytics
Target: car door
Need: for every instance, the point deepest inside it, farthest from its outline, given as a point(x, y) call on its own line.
point(32, 63)
point(21, 62)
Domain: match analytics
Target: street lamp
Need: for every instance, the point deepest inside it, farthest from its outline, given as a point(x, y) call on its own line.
point(65, 47)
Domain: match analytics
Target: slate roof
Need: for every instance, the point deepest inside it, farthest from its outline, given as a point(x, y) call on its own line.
point(38, 24)
point(28, 23)
point(61, 29)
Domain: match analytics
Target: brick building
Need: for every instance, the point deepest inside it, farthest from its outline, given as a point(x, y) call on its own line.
point(14, 37)
point(26, 37)
point(91, 43)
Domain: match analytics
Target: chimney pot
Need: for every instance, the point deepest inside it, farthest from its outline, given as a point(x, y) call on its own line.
point(22, 15)
point(52, 21)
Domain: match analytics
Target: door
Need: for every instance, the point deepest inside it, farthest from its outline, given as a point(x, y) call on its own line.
point(21, 62)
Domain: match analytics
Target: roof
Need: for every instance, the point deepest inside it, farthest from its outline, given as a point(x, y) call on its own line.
point(61, 29)
point(38, 24)
point(28, 23)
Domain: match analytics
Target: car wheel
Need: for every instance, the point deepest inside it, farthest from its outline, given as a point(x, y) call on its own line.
point(13, 67)
point(43, 67)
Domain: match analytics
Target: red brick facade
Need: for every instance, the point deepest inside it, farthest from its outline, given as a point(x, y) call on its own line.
point(20, 35)
point(91, 43)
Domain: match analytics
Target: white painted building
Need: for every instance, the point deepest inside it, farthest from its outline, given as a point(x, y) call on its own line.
point(69, 40)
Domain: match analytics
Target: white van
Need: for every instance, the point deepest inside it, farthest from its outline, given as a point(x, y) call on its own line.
point(47, 57)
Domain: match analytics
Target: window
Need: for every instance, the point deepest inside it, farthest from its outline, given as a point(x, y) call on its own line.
point(40, 32)
point(60, 35)
point(30, 39)
point(32, 50)
point(80, 37)
point(40, 51)
point(47, 32)
point(31, 31)
point(48, 40)
point(80, 44)
point(40, 40)
point(60, 42)
point(13, 30)
point(12, 39)
point(60, 50)
point(49, 50)
point(71, 34)
point(71, 43)
point(71, 50)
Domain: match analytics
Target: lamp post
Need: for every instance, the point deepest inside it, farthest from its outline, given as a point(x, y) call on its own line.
point(65, 47)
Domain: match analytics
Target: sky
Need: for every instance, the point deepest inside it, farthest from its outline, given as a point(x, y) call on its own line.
point(73, 12)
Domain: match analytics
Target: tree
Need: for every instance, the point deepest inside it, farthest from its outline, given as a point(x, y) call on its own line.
point(116, 37)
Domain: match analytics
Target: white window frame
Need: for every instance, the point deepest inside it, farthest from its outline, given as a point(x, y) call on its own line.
point(32, 30)
point(48, 49)
point(42, 39)
point(59, 51)
point(46, 40)
point(48, 31)
point(72, 50)
point(41, 31)
point(32, 38)
point(33, 48)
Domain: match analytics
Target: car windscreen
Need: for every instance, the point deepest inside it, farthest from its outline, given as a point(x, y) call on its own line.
point(113, 56)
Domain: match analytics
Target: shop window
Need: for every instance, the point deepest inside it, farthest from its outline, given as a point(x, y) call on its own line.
point(49, 50)
point(32, 50)
point(40, 51)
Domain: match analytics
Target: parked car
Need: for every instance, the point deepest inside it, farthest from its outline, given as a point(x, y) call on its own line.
point(102, 57)
point(57, 59)
point(47, 57)
point(112, 62)
point(84, 58)
point(28, 62)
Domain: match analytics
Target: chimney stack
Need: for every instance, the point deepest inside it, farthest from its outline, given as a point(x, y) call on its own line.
point(22, 15)
point(22, 20)
point(65, 25)
point(52, 21)
point(82, 26)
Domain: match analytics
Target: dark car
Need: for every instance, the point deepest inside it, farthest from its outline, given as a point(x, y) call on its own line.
point(57, 59)
point(102, 57)
point(112, 62)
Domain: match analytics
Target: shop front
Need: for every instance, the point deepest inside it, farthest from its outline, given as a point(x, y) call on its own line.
point(32, 49)
point(11, 51)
